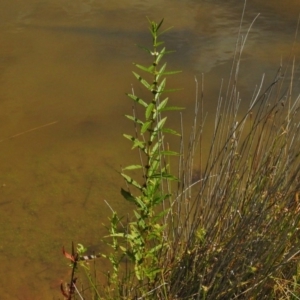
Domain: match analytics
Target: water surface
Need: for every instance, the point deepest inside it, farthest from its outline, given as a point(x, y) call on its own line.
point(64, 69)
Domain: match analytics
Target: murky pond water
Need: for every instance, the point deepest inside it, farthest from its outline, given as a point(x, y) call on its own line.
point(64, 68)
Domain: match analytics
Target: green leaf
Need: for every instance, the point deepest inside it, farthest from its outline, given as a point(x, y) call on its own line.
point(136, 200)
point(135, 120)
point(123, 249)
point(157, 128)
point(160, 23)
point(162, 104)
point(137, 270)
point(171, 131)
point(158, 44)
point(118, 234)
point(152, 33)
point(129, 137)
point(153, 136)
point(165, 30)
point(145, 126)
point(154, 164)
point(142, 223)
point(162, 213)
point(132, 167)
point(131, 181)
point(137, 99)
point(127, 195)
point(136, 142)
point(155, 147)
point(142, 205)
point(170, 51)
point(160, 55)
point(161, 86)
point(160, 124)
point(149, 69)
point(171, 72)
point(143, 81)
point(161, 71)
point(172, 108)
point(158, 76)
point(144, 48)
point(151, 272)
point(154, 250)
point(139, 144)
point(137, 215)
point(159, 200)
point(149, 110)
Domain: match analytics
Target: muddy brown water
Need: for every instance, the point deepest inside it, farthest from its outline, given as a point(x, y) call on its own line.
point(65, 66)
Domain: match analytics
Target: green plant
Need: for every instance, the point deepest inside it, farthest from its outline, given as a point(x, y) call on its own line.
point(229, 230)
point(144, 237)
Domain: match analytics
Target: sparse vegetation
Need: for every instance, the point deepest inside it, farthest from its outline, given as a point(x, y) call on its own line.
point(225, 230)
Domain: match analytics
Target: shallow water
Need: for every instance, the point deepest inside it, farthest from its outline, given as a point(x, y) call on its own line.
point(64, 69)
